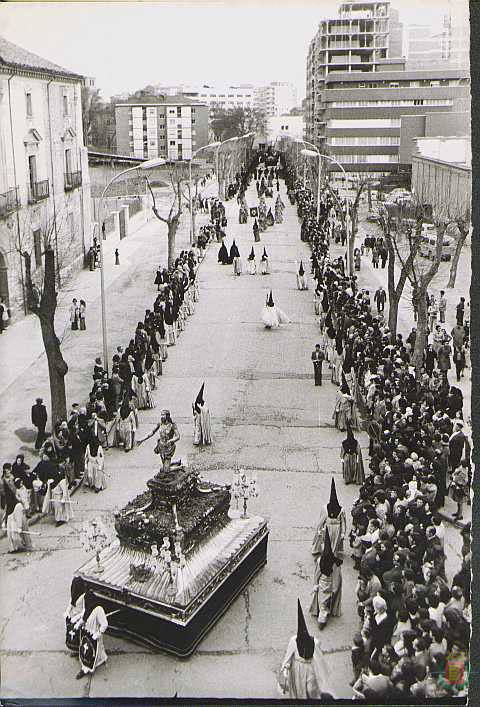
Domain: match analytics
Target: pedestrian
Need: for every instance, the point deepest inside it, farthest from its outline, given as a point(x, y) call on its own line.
point(375, 256)
point(443, 360)
point(92, 652)
point(383, 255)
point(82, 308)
point(459, 488)
point(74, 314)
point(458, 335)
point(117, 257)
point(39, 420)
point(458, 446)
point(304, 674)
point(432, 313)
point(202, 428)
point(460, 311)
point(318, 357)
point(3, 315)
point(459, 361)
point(442, 306)
point(380, 297)
point(57, 499)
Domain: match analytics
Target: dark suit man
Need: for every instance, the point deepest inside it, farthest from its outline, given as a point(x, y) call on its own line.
point(39, 420)
point(318, 358)
point(459, 447)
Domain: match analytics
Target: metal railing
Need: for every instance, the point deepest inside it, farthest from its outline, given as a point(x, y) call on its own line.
point(73, 180)
point(9, 202)
point(39, 191)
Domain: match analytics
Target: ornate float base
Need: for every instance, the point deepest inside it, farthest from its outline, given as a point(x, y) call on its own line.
point(174, 617)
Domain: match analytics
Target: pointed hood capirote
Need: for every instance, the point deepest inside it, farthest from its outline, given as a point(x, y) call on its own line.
point(333, 506)
point(252, 254)
point(199, 401)
point(328, 558)
point(305, 642)
point(270, 302)
point(265, 254)
point(301, 271)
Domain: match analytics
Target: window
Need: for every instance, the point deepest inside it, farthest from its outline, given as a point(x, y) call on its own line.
point(65, 105)
point(37, 246)
point(28, 99)
point(179, 112)
point(172, 142)
point(32, 169)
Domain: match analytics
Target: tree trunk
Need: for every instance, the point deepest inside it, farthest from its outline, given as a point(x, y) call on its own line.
point(455, 259)
point(172, 232)
point(57, 367)
point(420, 300)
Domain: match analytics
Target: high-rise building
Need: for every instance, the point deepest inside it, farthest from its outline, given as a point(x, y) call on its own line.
point(358, 89)
point(172, 127)
point(278, 98)
point(449, 47)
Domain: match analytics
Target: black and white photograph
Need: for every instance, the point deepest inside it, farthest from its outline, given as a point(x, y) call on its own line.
point(209, 211)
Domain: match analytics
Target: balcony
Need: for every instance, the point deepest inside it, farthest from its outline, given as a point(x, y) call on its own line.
point(38, 191)
point(73, 180)
point(9, 202)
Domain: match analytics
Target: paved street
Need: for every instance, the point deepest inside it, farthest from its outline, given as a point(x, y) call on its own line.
point(267, 416)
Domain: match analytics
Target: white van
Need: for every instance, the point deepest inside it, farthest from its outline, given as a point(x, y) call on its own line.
point(428, 246)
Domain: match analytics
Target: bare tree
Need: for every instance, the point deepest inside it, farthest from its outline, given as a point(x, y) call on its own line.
point(463, 227)
point(178, 174)
point(42, 301)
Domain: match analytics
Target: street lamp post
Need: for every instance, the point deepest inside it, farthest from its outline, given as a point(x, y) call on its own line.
point(190, 186)
point(149, 164)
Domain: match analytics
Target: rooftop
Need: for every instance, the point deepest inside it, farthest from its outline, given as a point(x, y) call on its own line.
point(160, 101)
point(15, 57)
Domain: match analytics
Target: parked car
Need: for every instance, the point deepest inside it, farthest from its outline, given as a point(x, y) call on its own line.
point(428, 247)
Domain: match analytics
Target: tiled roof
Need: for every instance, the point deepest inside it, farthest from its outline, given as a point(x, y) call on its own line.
point(16, 57)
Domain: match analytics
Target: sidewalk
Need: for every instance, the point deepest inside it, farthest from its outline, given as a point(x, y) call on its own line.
point(25, 373)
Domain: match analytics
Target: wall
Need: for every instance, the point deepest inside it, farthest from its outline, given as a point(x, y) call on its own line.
point(445, 124)
point(47, 133)
point(439, 184)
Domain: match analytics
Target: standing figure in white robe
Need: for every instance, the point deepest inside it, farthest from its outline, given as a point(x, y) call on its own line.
point(124, 427)
point(333, 519)
point(57, 500)
point(235, 259)
point(327, 588)
point(19, 540)
point(302, 283)
point(94, 476)
point(304, 674)
point(150, 370)
point(92, 652)
point(264, 264)
point(202, 428)
point(141, 388)
point(252, 263)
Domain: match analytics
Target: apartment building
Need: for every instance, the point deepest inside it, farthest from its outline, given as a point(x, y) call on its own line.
point(358, 89)
point(44, 180)
point(449, 47)
point(170, 127)
point(227, 97)
point(278, 98)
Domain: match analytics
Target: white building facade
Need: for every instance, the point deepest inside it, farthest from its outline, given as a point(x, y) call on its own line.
point(44, 181)
point(277, 98)
point(227, 97)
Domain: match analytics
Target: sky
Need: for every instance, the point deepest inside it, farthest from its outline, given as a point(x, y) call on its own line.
point(126, 46)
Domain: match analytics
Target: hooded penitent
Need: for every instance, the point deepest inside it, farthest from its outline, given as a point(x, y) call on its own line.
point(10, 500)
point(270, 302)
point(349, 444)
point(91, 602)
point(125, 408)
point(344, 387)
point(255, 225)
point(305, 642)
point(301, 271)
point(264, 256)
point(333, 506)
point(252, 255)
point(148, 361)
point(234, 252)
point(328, 558)
point(199, 401)
point(77, 588)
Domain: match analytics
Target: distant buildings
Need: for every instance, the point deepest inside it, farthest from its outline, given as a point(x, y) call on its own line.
point(449, 48)
point(169, 127)
point(359, 90)
point(44, 181)
point(227, 97)
point(278, 98)
point(285, 126)
point(442, 174)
